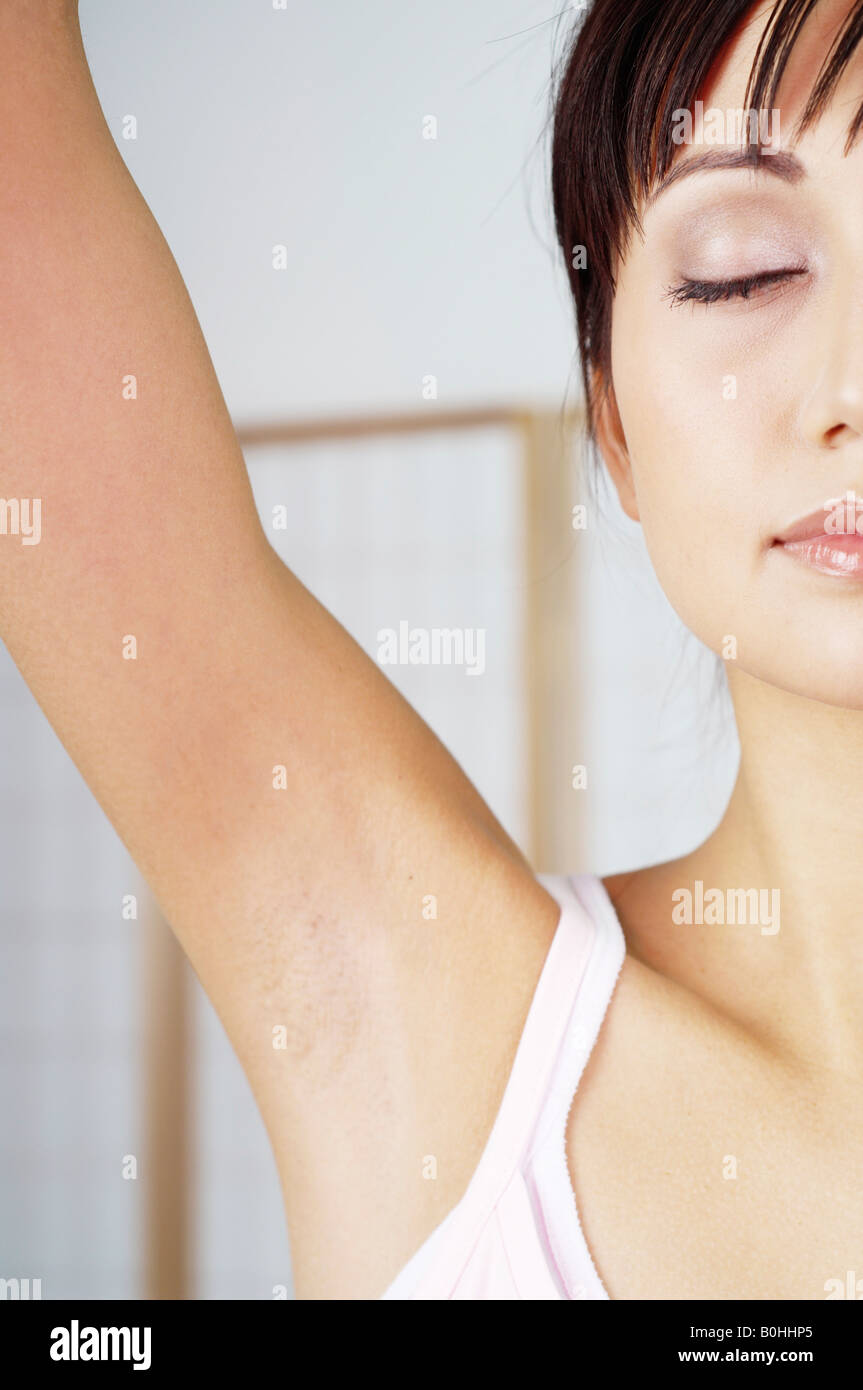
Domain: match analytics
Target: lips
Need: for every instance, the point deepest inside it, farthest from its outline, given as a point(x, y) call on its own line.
point(829, 541)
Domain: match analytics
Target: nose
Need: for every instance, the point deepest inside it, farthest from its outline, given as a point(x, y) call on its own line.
point(832, 412)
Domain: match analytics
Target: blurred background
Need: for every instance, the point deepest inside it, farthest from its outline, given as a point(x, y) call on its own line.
point(357, 198)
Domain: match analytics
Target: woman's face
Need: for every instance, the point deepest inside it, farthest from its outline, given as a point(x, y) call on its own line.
point(744, 417)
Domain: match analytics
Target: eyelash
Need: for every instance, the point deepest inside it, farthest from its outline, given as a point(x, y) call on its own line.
point(717, 291)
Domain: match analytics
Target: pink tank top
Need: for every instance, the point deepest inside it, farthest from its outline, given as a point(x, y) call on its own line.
point(516, 1233)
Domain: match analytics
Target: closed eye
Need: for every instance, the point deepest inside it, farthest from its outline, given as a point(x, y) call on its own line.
point(716, 291)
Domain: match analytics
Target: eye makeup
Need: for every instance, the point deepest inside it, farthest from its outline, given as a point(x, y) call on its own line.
point(742, 247)
point(719, 291)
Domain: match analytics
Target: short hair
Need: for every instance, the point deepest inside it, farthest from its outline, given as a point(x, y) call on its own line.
point(629, 66)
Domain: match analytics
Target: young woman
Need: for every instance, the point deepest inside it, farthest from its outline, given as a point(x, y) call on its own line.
point(614, 1102)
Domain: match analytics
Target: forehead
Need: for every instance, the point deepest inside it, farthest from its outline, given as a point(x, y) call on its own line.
point(725, 84)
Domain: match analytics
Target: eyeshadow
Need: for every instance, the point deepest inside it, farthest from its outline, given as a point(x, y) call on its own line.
point(737, 225)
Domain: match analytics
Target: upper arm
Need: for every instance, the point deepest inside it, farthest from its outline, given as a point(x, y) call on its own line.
point(183, 665)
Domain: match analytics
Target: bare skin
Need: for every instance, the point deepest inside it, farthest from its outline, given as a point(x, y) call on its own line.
point(302, 908)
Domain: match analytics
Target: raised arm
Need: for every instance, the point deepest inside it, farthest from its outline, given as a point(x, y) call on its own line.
point(181, 663)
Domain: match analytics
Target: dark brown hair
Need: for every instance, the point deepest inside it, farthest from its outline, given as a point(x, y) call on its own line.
point(630, 65)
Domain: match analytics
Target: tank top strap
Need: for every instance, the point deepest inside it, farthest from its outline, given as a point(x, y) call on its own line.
point(545, 1034)
point(590, 1001)
point(551, 1183)
point(533, 1072)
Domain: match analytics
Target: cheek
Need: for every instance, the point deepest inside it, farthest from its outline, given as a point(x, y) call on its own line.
point(716, 474)
point(695, 426)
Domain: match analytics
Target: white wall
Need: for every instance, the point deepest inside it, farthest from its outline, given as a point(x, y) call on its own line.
point(304, 127)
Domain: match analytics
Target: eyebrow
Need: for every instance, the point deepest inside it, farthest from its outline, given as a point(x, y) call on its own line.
point(781, 163)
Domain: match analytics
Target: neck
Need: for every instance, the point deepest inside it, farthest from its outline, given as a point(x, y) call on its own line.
point(796, 816)
point(794, 824)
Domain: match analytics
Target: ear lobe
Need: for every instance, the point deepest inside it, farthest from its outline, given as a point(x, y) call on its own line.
point(611, 442)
